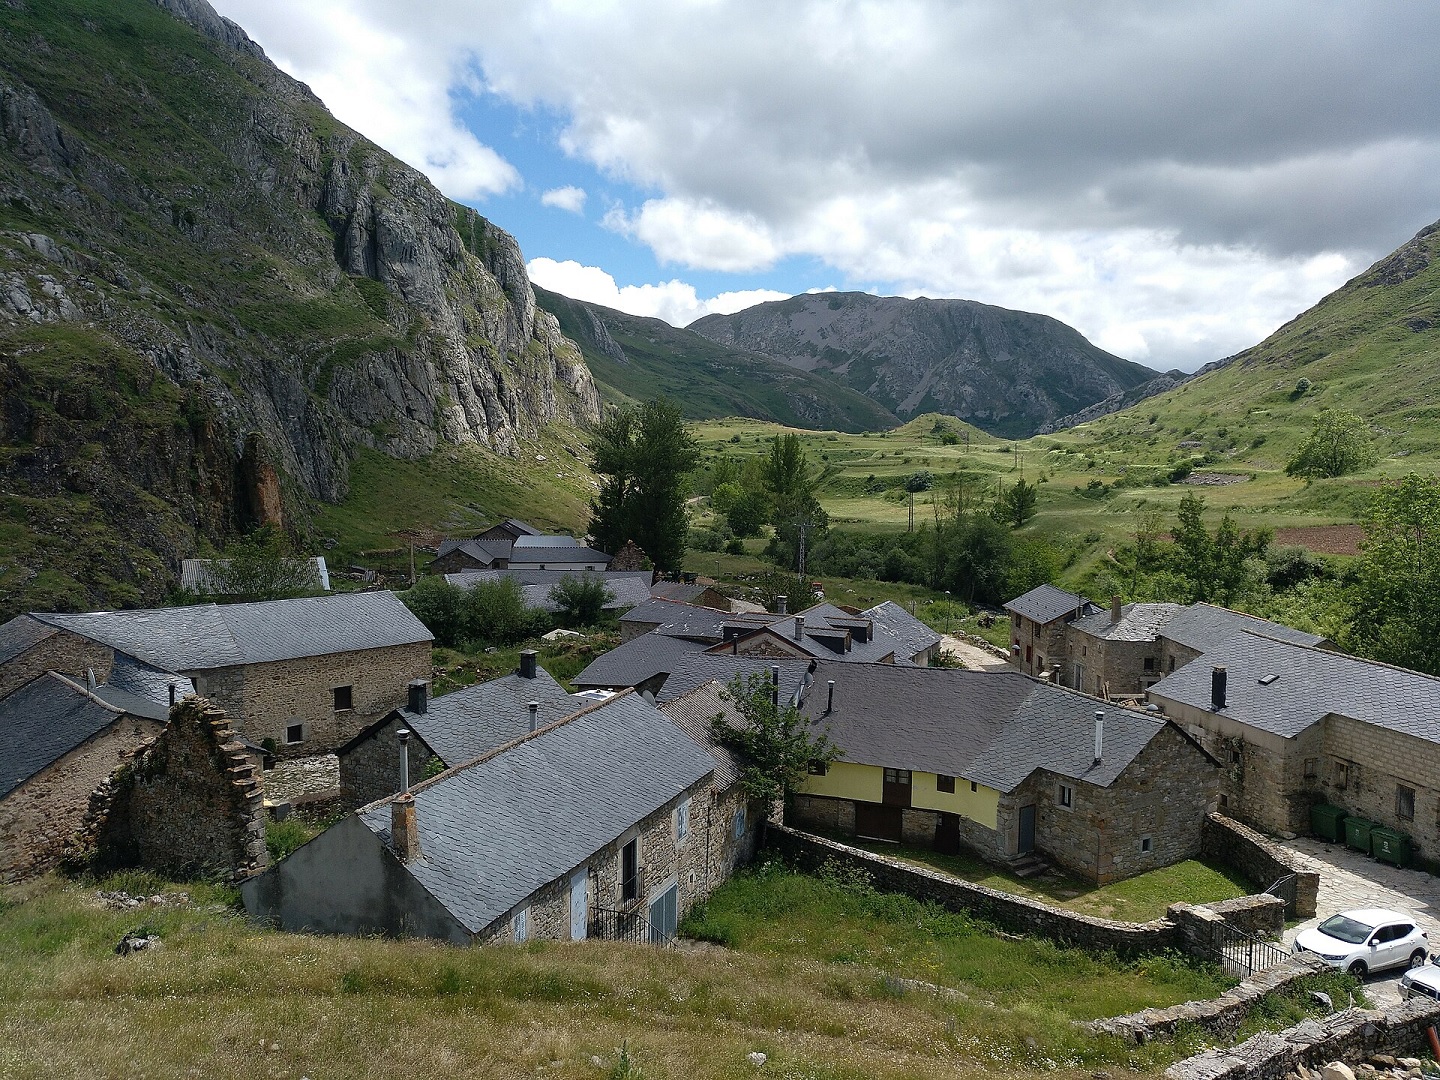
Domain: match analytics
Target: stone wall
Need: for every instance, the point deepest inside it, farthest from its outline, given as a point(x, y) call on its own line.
point(1381, 761)
point(1258, 914)
point(1111, 667)
point(1221, 1015)
point(40, 819)
point(1262, 861)
point(61, 651)
point(1350, 1035)
point(370, 769)
point(1045, 642)
point(263, 700)
point(189, 803)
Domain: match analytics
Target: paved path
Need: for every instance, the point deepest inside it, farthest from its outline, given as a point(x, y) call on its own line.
point(1351, 880)
point(972, 656)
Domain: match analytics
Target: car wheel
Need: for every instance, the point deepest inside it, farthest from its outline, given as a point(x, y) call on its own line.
point(1417, 958)
point(1358, 969)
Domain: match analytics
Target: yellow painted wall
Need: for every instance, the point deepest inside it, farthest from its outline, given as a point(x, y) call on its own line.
point(866, 783)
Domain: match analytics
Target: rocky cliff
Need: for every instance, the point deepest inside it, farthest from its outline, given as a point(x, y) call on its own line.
point(212, 294)
point(1008, 372)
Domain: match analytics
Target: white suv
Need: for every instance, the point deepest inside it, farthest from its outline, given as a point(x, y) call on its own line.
point(1421, 981)
point(1366, 940)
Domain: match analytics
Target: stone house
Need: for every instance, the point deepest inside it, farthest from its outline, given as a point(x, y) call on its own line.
point(304, 675)
point(691, 592)
point(547, 552)
point(1295, 725)
point(461, 556)
point(1003, 765)
point(1038, 622)
point(583, 828)
point(59, 740)
point(450, 730)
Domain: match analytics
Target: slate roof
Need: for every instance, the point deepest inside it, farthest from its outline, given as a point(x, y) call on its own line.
point(1138, 622)
point(462, 725)
point(495, 830)
point(992, 727)
point(1205, 626)
point(1310, 684)
point(43, 721)
point(679, 591)
point(627, 588)
point(534, 540)
point(637, 660)
point(912, 634)
point(565, 555)
point(693, 671)
point(694, 621)
point(1046, 603)
point(693, 712)
point(208, 636)
point(143, 690)
point(484, 551)
point(21, 633)
point(518, 527)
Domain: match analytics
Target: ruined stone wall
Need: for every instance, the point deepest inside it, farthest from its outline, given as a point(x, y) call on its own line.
point(69, 654)
point(40, 819)
point(263, 700)
point(189, 803)
point(370, 769)
point(1381, 761)
point(1260, 860)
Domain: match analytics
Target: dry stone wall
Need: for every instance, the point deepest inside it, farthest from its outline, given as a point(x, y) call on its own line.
point(1259, 859)
point(370, 769)
point(190, 803)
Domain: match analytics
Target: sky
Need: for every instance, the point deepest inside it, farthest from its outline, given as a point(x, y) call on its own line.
point(1174, 180)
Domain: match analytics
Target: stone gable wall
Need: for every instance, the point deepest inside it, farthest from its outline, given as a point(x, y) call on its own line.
point(189, 803)
point(69, 654)
point(371, 769)
point(1111, 667)
point(40, 819)
point(1382, 761)
point(264, 699)
point(1045, 641)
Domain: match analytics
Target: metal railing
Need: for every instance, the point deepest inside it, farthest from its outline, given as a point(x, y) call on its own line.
point(631, 926)
point(1284, 889)
point(1244, 954)
point(632, 888)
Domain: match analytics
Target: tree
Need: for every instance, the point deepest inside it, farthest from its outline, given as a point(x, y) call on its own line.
point(1398, 589)
point(644, 455)
point(1219, 567)
point(1017, 503)
point(1339, 443)
point(773, 741)
point(792, 485)
point(260, 567)
point(582, 600)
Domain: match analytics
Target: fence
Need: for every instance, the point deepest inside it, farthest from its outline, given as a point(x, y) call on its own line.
point(1243, 954)
point(609, 925)
point(1286, 890)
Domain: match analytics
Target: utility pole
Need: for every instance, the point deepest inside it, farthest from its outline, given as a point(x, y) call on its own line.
point(802, 526)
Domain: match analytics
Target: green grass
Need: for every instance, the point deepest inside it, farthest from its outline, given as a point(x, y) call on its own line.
point(1135, 899)
point(563, 659)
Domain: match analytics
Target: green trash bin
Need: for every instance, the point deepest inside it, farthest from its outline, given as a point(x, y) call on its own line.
point(1357, 833)
point(1328, 822)
point(1390, 846)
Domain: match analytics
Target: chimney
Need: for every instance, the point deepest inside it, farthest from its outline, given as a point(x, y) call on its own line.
point(1217, 688)
point(780, 602)
point(527, 663)
point(90, 683)
point(404, 834)
point(799, 627)
point(830, 697)
point(775, 684)
point(534, 716)
point(1099, 735)
point(1114, 609)
point(418, 700)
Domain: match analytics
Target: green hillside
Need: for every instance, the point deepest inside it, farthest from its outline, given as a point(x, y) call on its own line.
point(633, 358)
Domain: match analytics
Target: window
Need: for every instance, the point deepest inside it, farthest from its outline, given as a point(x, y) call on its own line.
point(1312, 768)
point(1224, 801)
point(682, 821)
point(295, 733)
point(974, 786)
point(344, 697)
point(819, 768)
point(1145, 845)
point(897, 776)
point(739, 821)
point(1341, 776)
point(520, 925)
point(1149, 663)
point(1066, 796)
point(945, 783)
point(1235, 755)
point(630, 871)
point(1172, 663)
point(1404, 803)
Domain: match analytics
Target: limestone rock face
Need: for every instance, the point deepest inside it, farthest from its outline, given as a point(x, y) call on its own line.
point(187, 234)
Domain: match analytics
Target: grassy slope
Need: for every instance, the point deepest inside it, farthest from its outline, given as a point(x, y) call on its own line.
point(808, 984)
point(709, 380)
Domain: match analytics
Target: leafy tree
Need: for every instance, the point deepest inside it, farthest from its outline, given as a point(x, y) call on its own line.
point(1398, 588)
point(261, 567)
point(582, 599)
point(773, 741)
point(1218, 566)
point(792, 485)
point(440, 606)
point(1339, 443)
point(1017, 503)
point(974, 557)
point(489, 613)
point(644, 455)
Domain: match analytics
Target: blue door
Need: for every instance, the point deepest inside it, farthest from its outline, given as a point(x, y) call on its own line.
point(579, 904)
point(663, 915)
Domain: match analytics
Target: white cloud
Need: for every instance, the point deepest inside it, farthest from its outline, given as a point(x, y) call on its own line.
point(673, 301)
point(1173, 180)
point(569, 198)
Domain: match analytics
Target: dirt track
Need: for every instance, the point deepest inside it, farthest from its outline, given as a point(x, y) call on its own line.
point(972, 656)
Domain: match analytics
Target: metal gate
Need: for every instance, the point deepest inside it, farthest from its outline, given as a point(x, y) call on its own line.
point(1285, 890)
point(1243, 954)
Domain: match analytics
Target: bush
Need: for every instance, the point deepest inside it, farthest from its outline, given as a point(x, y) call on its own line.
point(582, 600)
point(733, 546)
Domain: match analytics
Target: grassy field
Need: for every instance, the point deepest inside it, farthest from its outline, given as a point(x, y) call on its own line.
point(811, 981)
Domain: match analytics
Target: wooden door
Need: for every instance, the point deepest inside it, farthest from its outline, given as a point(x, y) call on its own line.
point(947, 834)
point(1027, 829)
point(664, 910)
point(895, 790)
point(878, 822)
